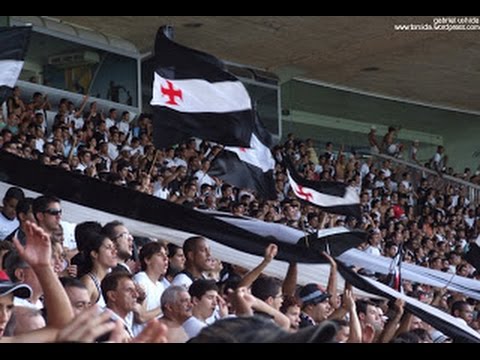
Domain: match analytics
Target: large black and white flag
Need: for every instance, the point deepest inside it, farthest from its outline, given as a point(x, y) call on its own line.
point(412, 272)
point(250, 168)
point(335, 241)
point(332, 196)
point(440, 320)
point(13, 47)
point(153, 217)
point(194, 96)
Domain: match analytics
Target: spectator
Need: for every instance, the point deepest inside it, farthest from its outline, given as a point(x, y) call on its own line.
point(100, 256)
point(372, 140)
point(176, 308)
point(8, 290)
point(24, 212)
point(176, 261)
point(47, 212)
point(77, 293)
point(198, 259)
point(120, 294)
point(8, 218)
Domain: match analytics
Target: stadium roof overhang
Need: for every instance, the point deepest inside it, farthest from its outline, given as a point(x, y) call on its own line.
point(437, 67)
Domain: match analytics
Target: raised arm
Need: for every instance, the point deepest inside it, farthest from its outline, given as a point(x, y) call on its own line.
point(290, 282)
point(355, 327)
point(38, 254)
point(270, 252)
point(332, 281)
point(82, 106)
point(245, 304)
point(391, 327)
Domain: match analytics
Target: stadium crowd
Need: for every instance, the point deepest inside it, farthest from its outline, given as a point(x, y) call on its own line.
point(187, 289)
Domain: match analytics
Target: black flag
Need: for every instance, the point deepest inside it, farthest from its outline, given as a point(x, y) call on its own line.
point(250, 168)
point(194, 96)
point(13, 46)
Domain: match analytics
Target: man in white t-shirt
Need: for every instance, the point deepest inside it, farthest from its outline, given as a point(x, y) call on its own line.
point(204, 295)
point(8, 216)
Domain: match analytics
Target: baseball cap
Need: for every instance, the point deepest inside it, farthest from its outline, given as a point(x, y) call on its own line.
point(19, 290)
point(312, 294)
point(259, 329)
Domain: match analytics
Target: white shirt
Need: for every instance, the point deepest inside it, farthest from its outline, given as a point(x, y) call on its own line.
point(7, 226)
point(25, 303)
point(77, 122)
point(153, 290)
point(124, 127)
point(113, 150)
point(204, 178)
point(182, 280)
point(109, 122)
point(192, 326)
point(372, 250)
point(68, 235)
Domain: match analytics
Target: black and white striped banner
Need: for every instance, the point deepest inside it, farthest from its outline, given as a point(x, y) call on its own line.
point(160, 215)
point(440, 320)
point(414, 273)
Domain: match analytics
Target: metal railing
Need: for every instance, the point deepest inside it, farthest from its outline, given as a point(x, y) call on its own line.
point(438, 181)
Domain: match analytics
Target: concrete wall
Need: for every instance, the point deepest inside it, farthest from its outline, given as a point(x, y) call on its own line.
point(462, 145)
point(326, 114)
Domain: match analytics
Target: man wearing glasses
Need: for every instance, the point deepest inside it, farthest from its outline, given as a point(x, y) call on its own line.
point(123, 240)
point(48, 213)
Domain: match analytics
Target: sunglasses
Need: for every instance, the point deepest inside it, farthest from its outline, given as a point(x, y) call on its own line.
point(53, 212)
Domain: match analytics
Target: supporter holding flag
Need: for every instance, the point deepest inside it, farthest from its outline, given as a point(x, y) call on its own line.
point(193, 95)
point(394, 278)
point(13, 46)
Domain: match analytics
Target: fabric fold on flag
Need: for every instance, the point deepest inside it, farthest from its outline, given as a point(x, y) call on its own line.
point(147, 212)
point(331, 196)
point(194, 96)
point(440, 320)
point(334, 240)
point(13, 47)
point(414, 273)
point(250, 168)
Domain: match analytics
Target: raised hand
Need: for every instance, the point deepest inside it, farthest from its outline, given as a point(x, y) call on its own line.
point(222, 306)
point(87, 326)
point(270, 252)
point(330, 259)
point(38, 250)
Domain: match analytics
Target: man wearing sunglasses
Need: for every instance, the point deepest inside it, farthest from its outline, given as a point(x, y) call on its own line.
point(47, 212)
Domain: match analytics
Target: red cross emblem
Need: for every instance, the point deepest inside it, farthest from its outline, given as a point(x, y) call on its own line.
point(242, 149)
point(304, 195)
point(171, 93)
